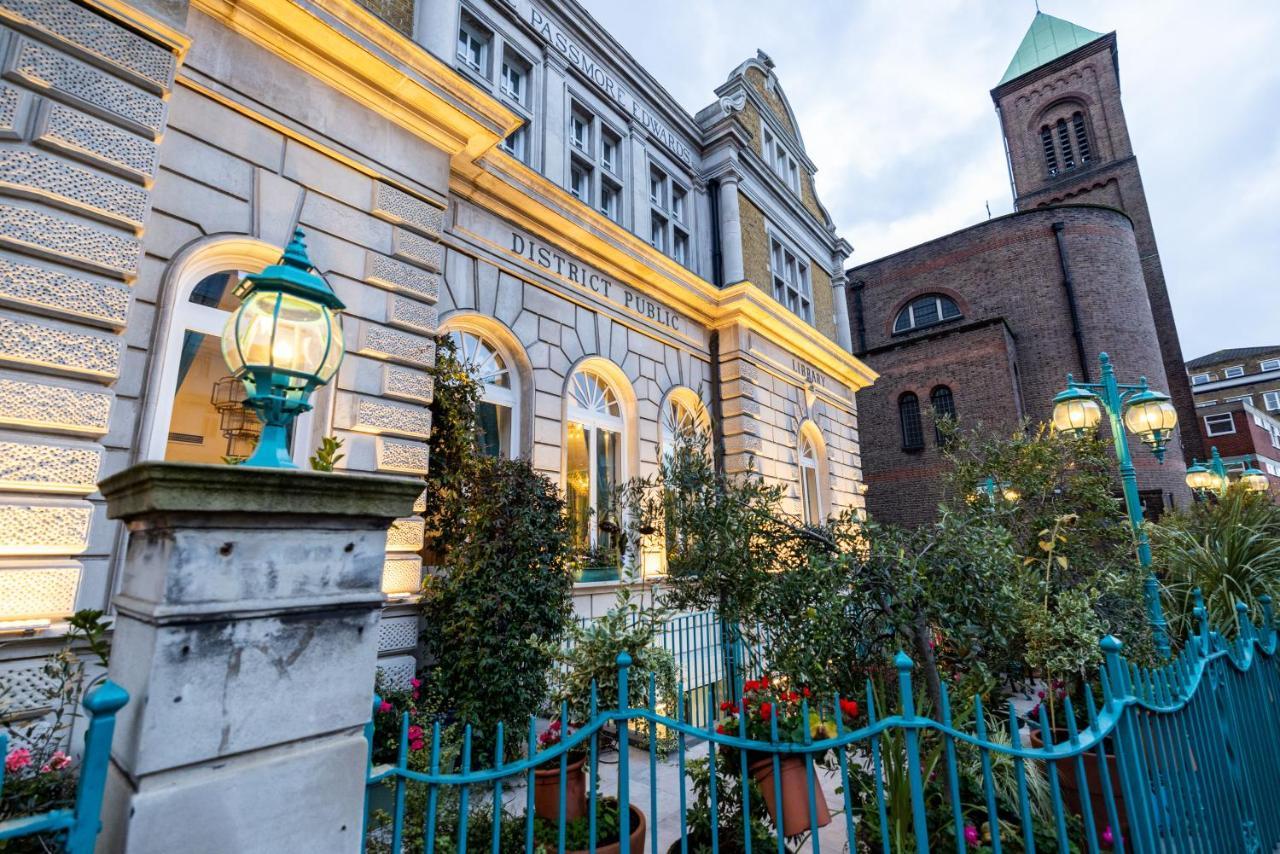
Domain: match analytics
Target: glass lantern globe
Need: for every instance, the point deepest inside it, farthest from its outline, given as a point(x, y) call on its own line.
point(1201, 478)
point(1151, 416)
point(1254, 480)
point(1076, 410)
point(283, 343)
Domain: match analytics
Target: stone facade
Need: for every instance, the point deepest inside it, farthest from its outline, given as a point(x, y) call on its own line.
point(150, 151)
point(1008, 353)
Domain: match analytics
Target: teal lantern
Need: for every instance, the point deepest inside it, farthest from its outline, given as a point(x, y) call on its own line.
point(1076, 410)
point(1150, 414)
point(283, 343)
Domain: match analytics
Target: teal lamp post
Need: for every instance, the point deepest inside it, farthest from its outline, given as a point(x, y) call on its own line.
point(1133, 409)
point(283, 343)
point(1212, 477)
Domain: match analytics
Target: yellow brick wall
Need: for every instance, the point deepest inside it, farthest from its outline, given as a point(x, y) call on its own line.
point(755, 245)
point(823, 300)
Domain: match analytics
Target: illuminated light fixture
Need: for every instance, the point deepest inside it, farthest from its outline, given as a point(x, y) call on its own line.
point(283, 343)
point(1076, 410)
point(1203, 479)
point(1011, 494)
point(1150, 415)
point(1254, 480)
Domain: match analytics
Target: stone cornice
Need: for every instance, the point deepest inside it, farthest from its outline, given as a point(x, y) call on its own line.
point(359, 55)
point(149, 25)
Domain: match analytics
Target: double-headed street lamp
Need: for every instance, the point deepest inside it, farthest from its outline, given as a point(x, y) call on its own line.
point(1212, 477)
point(1150, 416)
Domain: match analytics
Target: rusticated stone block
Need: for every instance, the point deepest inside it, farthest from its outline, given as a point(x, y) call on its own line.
point(397, 275)
point(406, 383)
point(40, 176)
point(406, 534)
point(49, 468)
point(402, 457)
point(97, 38)
point(397, 206)
point(38, 590)
point(79, 83)
point(45, 290)
point(48, 407)
point(59, 349)
point(68, 241)
point(72, 132)
point(371, 415)
point(12, 111)
point(411, 314)
point(417, 249)
point(37, 527)
point(388, 343)
point(402, 575)
point(396, 633)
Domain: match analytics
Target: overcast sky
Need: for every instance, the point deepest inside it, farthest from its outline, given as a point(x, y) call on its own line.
point(894, 106)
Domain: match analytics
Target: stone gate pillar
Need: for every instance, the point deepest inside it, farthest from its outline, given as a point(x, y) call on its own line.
point(246, 634)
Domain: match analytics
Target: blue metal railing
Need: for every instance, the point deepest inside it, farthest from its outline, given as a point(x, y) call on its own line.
point(1184, 758)
point(79, 824)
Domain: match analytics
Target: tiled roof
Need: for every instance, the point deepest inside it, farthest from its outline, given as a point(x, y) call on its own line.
point(1236, 353)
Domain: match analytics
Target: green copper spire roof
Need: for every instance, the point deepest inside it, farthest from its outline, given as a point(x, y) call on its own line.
point(1047, 39)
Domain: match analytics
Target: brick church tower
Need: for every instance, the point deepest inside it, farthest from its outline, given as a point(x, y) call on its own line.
point(1067, 142)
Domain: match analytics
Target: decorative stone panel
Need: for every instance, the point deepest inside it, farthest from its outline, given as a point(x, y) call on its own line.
point(80, 84)
point(742, 443)
point(397, 671)
point(28, 689)
point(417, 249)
point(49, 468)
point(371, 415)
point(399, 207)
point(406, 534)
point(388, 343)
point(389, 273)
point(402, 457)
point(411, 314)
point(77, 244)
point(406, 384)
point(36, 345)
point(45, 290)
point(402, 575)
point(38, 591)
point(44, 527)
point(397, 633)
point(94, 37)
point(12, 111)
point(71, 132)
point(45, 407)
point(49, 179)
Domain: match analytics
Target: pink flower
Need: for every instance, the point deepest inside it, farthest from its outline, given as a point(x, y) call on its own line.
point(57, 762)
point(17, 759)
point(417, 745)
point(416, 683)
point(415, 733)
point(1108, 838)
point(386, 707)
point(971, 834)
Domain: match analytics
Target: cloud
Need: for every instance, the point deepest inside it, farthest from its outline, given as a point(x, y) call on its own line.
point(894, 105)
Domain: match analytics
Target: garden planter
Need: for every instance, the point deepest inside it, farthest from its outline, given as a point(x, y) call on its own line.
point(546, 790)
point(1070, 785)
point(793, 817)
point(637, 838)
point(599, 573)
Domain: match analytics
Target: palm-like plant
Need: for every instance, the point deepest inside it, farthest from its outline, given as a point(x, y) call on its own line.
point(1229, 549)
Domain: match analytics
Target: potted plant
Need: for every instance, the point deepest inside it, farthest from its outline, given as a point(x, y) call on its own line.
point(577, 832)
point(599, 563)
point(546, 781)
point(776, 715)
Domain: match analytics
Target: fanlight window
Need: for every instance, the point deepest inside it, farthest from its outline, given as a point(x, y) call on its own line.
point(593, 450)
point(496, 411)
point(809, 493)
point(679, 421)
point(926, 311)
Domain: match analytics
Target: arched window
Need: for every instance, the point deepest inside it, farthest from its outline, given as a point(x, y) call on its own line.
point(926, 311)
point(593, 457)
point(1050, 151)
point(1082, 136)
point(498, 412)
point(909, 416)
point(197, 411)
point(944, 406)
point(1065, 142)
point(810, 491)
point(683, 416)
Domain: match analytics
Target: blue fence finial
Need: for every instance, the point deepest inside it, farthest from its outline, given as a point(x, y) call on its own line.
point(902, 661)
point(1111, 645)
point(624, 659)
point(106, 698)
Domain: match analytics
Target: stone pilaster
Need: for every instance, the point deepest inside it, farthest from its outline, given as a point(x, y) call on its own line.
point(246, 636)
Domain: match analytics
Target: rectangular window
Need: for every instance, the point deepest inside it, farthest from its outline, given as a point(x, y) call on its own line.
point(515, 78)
point(1271, 400)
point(658, 187)
point(791, 280)
point(1269, 365)
point(473, 45)
point(779, 160)
point(1221, 424)
point(677, 203)
point(580, 129)
point(610, 145)
point(680, 247)
point(1234, 371)
point(517, 143)
point(580, 182)
point(610, 201)
point(658, 232)
point(1199, 379)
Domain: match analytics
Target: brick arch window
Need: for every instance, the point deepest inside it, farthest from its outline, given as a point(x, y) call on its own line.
point(944, 406)
point(926, 310)
point(1064, 140)
point(909, 419)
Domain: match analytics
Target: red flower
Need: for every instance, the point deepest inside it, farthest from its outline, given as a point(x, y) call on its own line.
point(849, 708)
point(766, 711)
point(720, 729)
point(805, 692)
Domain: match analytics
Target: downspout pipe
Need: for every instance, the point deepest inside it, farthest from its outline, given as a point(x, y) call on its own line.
point(717, 405)
point(717, 258)
point(1068, 286)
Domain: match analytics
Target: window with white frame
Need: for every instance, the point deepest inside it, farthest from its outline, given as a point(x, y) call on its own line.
point(1206, 403)
point(925, 311)
point(595, 162)
point(1271, 401)
point(668, 216)
point(514, 86)
point(1233, 371)
point(780, 160)
point(594, 434)
point(1199, 379)
point(810, 494)
point(790, 274)
point(497, 411)
point(680, 421)
point(474, 43)
point(1269, 365)
point(1221, 424)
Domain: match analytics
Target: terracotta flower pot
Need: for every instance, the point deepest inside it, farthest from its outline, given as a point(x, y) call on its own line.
point(546, 790)
point(637, 838)
point(1069, 784)
point(795, 794)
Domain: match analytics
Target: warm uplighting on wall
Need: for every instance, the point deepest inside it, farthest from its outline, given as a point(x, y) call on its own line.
point(23, 627)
